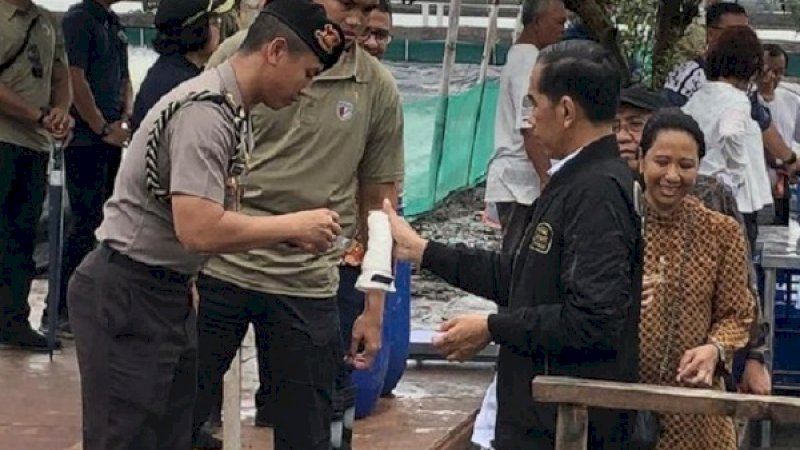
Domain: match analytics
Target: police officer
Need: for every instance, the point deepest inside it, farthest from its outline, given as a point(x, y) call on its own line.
point(35, 98)
point(132, 312)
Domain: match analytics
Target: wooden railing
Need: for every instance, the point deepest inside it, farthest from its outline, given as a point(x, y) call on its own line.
point(574, 396)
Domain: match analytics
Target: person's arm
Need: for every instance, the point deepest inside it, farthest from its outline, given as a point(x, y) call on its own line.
point(480, 272)
point(596, 273)
point(127, 100)
point(732, 303)
point(775, 145)
point(84, 101)
point(62, 87)
point(200, 140)
point(203, 226)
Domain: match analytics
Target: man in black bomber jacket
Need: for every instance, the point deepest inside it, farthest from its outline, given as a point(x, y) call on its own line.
point(573, 282)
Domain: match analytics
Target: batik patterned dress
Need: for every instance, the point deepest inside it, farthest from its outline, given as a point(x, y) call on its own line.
point(714, 305)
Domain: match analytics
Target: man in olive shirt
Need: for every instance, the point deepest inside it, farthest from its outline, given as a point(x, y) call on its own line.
point(35, 96)
point(341, 147)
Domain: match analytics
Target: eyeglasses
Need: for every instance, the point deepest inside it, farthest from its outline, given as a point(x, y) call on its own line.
point(35, 58)
point(631, 124)
point(381, 36)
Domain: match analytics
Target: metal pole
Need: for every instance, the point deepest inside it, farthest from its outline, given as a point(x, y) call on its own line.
point(449, 58)
point(440, 124)
point(231, 405)
point(491, 39)
point(55, 232)
point(517, 26)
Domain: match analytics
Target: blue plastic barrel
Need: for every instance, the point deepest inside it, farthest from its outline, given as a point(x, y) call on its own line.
point(399, 327)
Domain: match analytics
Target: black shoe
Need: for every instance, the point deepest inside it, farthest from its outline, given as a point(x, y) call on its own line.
point(264, 418)
point(27, 339)
point(203, 440)
point(64, 329)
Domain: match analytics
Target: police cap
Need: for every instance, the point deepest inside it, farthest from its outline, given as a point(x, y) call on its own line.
point(177, 14)
point(310, 23)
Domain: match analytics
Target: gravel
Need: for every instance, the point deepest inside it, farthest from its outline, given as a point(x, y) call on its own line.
point(458, 220)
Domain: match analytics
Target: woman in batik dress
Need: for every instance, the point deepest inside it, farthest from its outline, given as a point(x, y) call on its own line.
point(697, 307)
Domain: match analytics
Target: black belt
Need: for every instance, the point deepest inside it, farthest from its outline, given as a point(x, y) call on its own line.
point(157, 272)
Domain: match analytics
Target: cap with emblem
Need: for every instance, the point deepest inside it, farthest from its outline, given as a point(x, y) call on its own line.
point(309, 21)
point(177, 14)
point(642, 97)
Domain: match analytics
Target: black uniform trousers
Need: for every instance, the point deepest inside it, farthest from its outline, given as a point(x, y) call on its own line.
point(136, 341)
point(303, 356)
point(23, 182)
point(90, 174)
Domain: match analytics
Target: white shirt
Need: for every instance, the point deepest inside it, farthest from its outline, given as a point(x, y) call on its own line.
point(511, 176)
point(734, 144)
point(785, 110)
point(558, 165)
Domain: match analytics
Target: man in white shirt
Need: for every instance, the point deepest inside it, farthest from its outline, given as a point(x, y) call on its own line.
point(784, 106)
point(519, 168)
point(514, 178)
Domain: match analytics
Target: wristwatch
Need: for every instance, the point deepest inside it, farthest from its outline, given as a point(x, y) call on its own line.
point(792, 159)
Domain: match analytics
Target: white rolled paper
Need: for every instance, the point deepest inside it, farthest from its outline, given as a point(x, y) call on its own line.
point(376, 269)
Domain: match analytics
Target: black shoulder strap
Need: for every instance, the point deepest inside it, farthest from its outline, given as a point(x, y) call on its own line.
point(21, 49)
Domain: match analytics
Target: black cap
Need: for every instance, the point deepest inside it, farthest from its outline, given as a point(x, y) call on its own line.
point(177, 14)
point(642, 97)
point(310, 23)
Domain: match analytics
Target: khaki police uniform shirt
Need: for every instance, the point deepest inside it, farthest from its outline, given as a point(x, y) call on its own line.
point(45, 49)
point(198, 143)
point(348, 129)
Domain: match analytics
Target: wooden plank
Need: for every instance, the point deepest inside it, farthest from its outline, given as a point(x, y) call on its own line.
point(607, 394)
point(572, 428)
point(460, 437)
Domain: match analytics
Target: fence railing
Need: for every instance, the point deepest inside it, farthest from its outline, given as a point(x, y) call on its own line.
point(574, 396)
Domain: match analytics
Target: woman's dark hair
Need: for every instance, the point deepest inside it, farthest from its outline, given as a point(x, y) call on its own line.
point(183, 40)
point(672, 119)
point(737, 54)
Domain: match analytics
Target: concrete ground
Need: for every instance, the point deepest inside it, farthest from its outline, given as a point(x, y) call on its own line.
point(40, 401)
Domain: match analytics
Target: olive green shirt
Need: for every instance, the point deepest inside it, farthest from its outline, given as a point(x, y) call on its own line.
point(345, 130)
point(44, 50)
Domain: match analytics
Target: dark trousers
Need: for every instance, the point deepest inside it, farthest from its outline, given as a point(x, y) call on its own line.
point(23, 182)
point(751, 226)
point(136, 341)
point(303, 354)
point(90, 174)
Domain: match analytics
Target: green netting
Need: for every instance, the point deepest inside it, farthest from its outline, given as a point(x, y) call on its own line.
point(455, 157)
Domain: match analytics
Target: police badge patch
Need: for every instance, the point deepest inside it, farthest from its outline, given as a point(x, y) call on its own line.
point(542, 238)
point(344, 110)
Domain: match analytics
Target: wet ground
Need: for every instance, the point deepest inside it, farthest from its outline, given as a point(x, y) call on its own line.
point(40, 401)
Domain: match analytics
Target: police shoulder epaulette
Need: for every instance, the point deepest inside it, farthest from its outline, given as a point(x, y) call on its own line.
point(238, 161)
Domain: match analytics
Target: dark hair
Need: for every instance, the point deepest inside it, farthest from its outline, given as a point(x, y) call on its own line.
point(737, 54)
point(267, 28)
point(385, 6)
point(585, 71)
point(672, 119)
point(715, 12)
point(775, 50)
point(183, 40)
